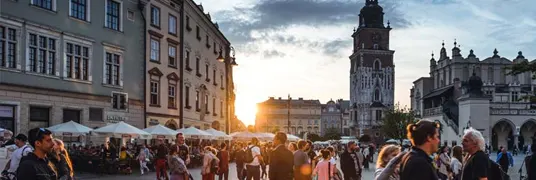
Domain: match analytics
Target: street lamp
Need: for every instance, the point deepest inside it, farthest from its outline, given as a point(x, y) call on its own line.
point(220, 57)
point(229, 63)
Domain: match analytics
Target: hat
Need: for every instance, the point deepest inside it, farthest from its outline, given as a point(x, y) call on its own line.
point(22, 137)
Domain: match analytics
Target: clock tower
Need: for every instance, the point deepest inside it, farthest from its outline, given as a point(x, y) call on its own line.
point(372, 71)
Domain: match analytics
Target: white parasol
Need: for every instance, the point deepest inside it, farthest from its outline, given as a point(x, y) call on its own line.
point(218, 134)
point(245, 135)
point(161, 132)
point(195, 133)
point(70, 128)
point(291, 137)
point(122, 129)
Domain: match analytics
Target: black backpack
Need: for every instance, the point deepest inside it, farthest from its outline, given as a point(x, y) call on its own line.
point(495, 172)
point(248, 158)
point(214, 166)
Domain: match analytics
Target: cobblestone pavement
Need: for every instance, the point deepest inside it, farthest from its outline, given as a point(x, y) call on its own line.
point(196, 172)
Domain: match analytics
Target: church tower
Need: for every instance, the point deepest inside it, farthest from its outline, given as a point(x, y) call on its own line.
point(372, 70)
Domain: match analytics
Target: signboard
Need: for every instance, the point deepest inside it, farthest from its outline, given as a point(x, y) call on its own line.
point(6, 111)
point(115, 118)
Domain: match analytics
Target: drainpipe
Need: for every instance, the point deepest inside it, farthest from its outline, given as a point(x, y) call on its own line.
point(141, 7)
point(181, 66)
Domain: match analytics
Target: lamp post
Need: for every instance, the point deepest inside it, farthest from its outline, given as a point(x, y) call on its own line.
point(229, 62)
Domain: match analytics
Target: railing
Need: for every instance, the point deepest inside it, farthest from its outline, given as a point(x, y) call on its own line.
point(513, 112)
point(509, 105)
point(452, 125)
point(433, 111)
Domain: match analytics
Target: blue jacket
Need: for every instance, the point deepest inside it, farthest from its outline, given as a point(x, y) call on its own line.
point(510, 159)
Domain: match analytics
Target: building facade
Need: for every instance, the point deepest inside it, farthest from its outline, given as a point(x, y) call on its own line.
point(372, 71)
point(293, 116)
point(335, 117)
point(500, 113)
point(70, 60)
point(208, 89)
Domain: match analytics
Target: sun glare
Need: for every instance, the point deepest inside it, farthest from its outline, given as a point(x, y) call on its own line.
point(246, 110)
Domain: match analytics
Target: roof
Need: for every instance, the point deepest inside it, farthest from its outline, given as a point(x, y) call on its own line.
point(438, 92)
point(377, 105)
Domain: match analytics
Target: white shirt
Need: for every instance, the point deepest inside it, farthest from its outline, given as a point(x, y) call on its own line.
point(17, 155)
point(255, 151)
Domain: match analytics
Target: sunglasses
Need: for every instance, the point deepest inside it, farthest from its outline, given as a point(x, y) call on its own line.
point(41, 130)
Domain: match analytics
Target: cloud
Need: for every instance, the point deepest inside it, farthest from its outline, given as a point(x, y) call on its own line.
point(273, 53)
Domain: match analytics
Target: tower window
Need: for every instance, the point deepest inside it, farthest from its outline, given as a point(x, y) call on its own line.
point(377, 65)
point(377, 95)
point(376, 46)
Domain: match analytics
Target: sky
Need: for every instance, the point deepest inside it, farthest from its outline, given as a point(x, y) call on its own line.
point(301, 47)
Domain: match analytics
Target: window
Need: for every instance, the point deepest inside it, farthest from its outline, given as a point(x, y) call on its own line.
point(221, 81)
point(155, 49)
point(188, 23)
point(119, 101)
point(215, 51)
point(377, 95)
point(206, 73)
point(155, 16)
point(45, 4)
point(39, 116)
point(172, 24)
point(96, 114)
point(154, 93)
point(113, 69)
point(490, 74)
point(42, 54)
point(197, 61)
point(71, 115)
point(79, 9)
point(206, 103)
point(515, 96)
point(198, 33)
point(187, 96)
point(113, 15)
point(207, 42)
point(214, 106)
point(377, 65)
point(172, 103)
point(187, 61)
point(378, 115)
point(8, 47)
point(172, 52)
point(221, 108)
point(77, 63)
point(197, 108)
point(214, 77)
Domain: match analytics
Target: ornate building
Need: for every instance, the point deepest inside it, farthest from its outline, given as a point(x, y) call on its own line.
point(372, 71)
point(276, 114)
point(451, 95)
point(335, 115)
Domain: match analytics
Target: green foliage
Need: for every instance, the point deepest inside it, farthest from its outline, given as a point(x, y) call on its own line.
point(395, 121)
point(523, 67)
point(332, 134)
point(314, 137)
point(275, 129)
point(365, 138)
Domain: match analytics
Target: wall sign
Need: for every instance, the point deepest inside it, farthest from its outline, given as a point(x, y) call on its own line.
point(112, 117)
point(6, 111)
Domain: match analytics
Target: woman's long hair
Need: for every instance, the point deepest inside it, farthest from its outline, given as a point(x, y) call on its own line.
point(65, 153)
point(386, 151)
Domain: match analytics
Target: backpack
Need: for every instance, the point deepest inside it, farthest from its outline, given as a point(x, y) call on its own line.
point(214, 167)
point(248, 158)
point(495, 172)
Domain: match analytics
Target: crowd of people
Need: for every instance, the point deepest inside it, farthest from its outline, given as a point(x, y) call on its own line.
point(40, 156)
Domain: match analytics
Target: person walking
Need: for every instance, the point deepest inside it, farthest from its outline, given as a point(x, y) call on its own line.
point(143, 158)
point(505, 159)
point(61, 160)
point(210, 163)
point(223, 156)
point(476, 162)
point(253, 167)
point(22, 150)
point(161, 160)
point(177, 166)
point(350, 162)
point(239, 159)
point(282, 162)
point(417, 164)
point(302, 167)
point(456, 163)
point(36, 164)
point(385, 170)
point(324, 170)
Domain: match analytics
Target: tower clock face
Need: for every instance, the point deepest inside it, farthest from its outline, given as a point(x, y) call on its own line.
point(376, 37)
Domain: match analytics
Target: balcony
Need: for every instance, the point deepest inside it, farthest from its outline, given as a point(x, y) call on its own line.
point(433, 111)
point(509, 105)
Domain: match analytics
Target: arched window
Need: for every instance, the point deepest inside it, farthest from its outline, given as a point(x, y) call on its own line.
point(377, 65)
point(490, 74)
point(377, 95)
point(376, 46)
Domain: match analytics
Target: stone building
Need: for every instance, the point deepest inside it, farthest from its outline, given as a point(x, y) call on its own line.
point(277, 114)
point(67, 60)
point(207, 74)
point(372, 71)
point(499, 112)
point(162, 67)
point(335, 115)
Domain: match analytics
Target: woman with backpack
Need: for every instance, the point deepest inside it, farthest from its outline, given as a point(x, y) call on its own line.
point(324, 170)
point(210, 163)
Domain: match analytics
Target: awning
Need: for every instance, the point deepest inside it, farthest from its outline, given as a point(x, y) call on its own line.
point(438, 92)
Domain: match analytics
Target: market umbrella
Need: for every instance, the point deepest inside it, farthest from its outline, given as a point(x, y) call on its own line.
point(122, 129)
point(195, 133)
point(291, 137)
point(70, 128)
point(266, 136)
point(159, 131)
point(218, 134)
point(244, 135)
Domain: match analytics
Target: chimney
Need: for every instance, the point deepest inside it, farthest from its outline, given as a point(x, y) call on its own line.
point(301, 99)
point(271, 98)
point(279, 98)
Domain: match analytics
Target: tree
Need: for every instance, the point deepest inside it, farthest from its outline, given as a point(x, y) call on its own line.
point(314, 137)
point(523, 67)
point(395, 121)
point(332, 134)
point(365, 138)
point(275, 129)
